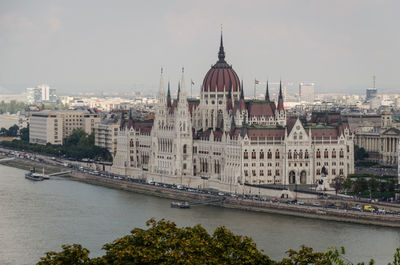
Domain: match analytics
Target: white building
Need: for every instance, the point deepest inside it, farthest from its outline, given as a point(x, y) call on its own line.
point(225, 142)
point(306, 92)
point(41, 94)
point(106, 133)
point(53, 126)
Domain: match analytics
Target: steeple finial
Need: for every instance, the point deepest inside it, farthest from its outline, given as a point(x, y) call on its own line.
point(179, 90)
point(267, 93)
point(280, 89)
point(221, 53)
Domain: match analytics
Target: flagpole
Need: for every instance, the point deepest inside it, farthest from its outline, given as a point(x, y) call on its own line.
point(255, 88)
point(191, 86)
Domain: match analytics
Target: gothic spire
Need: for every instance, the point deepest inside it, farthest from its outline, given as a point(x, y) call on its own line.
point(267, 93)
point(169, 104)
point(161, 88)
point(221, 53)
point(280, 98)
point(179, 90)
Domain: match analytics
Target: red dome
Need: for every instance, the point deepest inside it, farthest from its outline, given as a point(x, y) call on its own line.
point(221, 77)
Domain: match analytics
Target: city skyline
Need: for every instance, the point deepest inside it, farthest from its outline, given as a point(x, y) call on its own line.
point(117, 47)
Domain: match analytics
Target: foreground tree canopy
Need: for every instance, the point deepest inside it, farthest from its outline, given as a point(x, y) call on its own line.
point(164, 243)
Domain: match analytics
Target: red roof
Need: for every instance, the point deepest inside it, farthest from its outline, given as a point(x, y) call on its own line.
point(259, 109)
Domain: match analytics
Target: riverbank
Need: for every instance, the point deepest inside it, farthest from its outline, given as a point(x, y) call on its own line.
point(228, 202)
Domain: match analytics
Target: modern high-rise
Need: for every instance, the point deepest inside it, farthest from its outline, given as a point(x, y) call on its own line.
point(371, 93)
point(41, 94)
point(306, 92)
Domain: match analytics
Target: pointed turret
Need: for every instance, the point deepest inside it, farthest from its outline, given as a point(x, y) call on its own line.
point(221, 53)
point(242, 104)
point(169, 102)
point(229, 104)
point(267, 93)
point(161, 87)
point(179, 91)
point(280, 98)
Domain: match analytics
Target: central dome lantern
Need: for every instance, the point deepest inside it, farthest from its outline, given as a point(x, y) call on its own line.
point(221, 77)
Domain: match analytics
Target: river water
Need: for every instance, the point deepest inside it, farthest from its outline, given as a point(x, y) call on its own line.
point(36, 217)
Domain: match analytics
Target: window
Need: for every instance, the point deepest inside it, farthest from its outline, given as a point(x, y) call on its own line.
point(246, 154)
point(254, 173)
point(277, 172)
point(300, 136)
point(131, 143)
point(269, 172)
point(341, 153)
point(261, 154)
point(341, 171)
point(277, 154)
point(333, 153)
point(184, 148)
point(295, 136)
point(289, 154)
point(262, 173)
point(246, 173)
point(326, 154)
point(295, 154)
point(306, 155)
point(318, 171)
point(269, 155)
point(333, 171)
point(318, 153)
point(253, 154)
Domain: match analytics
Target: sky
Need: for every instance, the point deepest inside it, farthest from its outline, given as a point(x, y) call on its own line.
point(107, 46)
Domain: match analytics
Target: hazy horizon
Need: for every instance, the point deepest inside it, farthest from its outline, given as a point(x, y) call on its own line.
point(101, 46)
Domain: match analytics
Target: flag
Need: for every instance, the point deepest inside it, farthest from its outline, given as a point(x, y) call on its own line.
point(256, 81)
point(192, 81)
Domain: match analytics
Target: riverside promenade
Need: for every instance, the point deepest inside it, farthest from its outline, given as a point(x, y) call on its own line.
point(235, 202)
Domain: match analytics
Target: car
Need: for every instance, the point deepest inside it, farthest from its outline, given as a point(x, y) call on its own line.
point(179, 187)
point(300, 202)
point(221, 194)
point(331, 205)
point(274, 200)
point(316, 204)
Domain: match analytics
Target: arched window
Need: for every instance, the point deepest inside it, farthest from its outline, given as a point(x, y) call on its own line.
point(253, 154)
point(261, 154)
point(289, 154)
point(318, 154)
point(301, 154)
point(131, 143)
point(245, 154)
point(295, 154)
point(295, 136)
point(269, 155)
point(341, 153)
point(277, 154)
point(306, 155)
point(318, 171)
point(333, 153)
point(300, 136)
point(326, 154)
point(184, 148)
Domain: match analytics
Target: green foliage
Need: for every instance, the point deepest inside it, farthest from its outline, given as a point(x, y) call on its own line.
point(71, 255)
point(360, 153)
point(11, 132)
point(12, 107)
point(74, 151)
point(164, 243)
point(24, 134)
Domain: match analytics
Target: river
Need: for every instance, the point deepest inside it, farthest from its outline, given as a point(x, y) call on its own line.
point(36, 217)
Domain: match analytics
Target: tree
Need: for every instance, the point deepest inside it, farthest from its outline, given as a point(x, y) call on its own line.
point(360, 153)
point(71, 255)
point(373, 184)
point(75, 137)
point(13, 131)
point(360, 185)
point(348, 184)
point(164, 243)
point(24, 134)
point(338, 183)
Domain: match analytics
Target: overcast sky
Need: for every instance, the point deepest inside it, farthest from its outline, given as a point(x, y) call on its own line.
point(95, 45)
